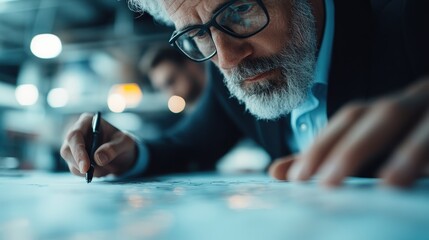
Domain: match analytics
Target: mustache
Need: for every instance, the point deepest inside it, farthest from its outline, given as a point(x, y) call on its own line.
point(251, 67)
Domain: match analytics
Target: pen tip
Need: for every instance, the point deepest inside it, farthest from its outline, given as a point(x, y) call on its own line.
point(89, 174)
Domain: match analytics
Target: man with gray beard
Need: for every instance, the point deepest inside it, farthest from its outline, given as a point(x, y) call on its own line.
point(289, 66)
point(279, 95)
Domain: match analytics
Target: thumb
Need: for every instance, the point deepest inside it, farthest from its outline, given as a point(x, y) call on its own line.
point(280, 167)
point(109, 151)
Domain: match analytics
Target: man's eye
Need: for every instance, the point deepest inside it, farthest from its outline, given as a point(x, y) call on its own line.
point(197, 34)
point(242, 8)
point(170, 81)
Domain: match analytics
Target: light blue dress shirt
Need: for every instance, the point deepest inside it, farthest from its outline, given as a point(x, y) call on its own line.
point(308, 119)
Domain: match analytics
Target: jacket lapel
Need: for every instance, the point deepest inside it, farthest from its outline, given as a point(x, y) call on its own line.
point(272, 135)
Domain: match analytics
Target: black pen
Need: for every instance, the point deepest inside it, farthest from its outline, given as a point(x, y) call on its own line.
point(96, 119)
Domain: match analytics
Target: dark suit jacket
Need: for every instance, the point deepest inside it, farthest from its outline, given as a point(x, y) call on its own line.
point(379, 47)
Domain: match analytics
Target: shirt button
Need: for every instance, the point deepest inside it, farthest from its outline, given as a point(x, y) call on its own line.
point(303, 127)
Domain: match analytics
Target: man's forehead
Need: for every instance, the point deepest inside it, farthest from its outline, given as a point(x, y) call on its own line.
point(188, 12)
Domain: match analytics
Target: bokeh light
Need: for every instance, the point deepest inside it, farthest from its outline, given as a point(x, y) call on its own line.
point(46, 46)
point(130, 93)
point(176, 104)
point(58, 97)
point(27, 94)
point(116, 103)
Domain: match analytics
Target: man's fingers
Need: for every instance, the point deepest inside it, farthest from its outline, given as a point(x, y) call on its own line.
point(379, 129)
point(117, 145)
point(67, 155)
point(410, 160)
point(102, 171)
point(74, 170)
point(107, 152)
point(78, 150)
point(73, 149)
point(280, 167)
point(313, 157)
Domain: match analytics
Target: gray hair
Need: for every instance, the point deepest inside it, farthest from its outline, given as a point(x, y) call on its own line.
point(153, 7)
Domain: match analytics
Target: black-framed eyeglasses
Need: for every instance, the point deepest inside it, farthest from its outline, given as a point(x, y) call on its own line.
point(237, 18)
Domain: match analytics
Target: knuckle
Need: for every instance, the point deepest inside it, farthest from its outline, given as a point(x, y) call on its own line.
point(64, 151)
point(79, 151)
point(414, 152)
point(80, 146)
point(74, 171)
point(110, 150)
point(71, 168)
point(287, 158)
point(420, 86)
point(388, 107)
point(73, 134)
point(127, 139)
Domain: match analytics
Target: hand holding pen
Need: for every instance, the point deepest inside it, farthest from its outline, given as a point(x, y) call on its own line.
point(95, 148)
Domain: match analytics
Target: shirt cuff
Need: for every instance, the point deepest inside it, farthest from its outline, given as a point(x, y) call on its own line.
point(141, 162)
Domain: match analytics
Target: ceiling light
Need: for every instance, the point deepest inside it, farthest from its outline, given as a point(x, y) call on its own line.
point(27, 94)
point(46, 46)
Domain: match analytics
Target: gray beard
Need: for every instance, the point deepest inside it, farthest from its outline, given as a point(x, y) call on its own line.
point(273, 98)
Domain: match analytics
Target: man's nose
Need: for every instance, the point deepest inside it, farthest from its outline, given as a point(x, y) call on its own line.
point(230, 51)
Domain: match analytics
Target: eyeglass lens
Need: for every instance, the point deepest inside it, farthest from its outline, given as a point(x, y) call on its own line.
point(241, 19)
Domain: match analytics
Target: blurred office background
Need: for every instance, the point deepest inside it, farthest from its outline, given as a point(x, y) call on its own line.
point(59, 58)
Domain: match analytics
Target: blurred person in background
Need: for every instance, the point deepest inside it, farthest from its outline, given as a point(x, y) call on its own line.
point(173, 73)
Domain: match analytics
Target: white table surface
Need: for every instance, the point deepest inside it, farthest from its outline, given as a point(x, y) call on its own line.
point(207, 206)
